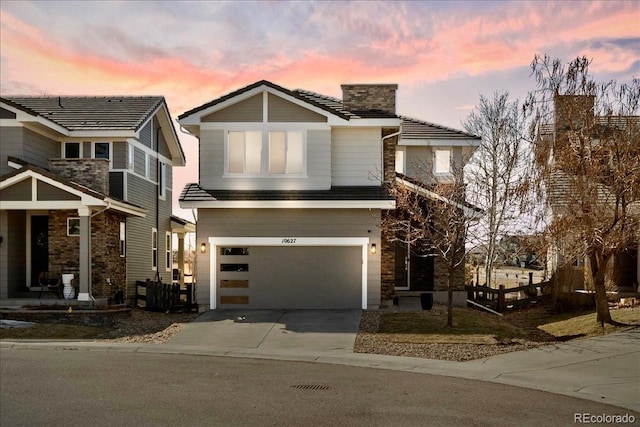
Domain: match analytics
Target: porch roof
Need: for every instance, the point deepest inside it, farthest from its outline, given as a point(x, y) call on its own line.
point(32, 187)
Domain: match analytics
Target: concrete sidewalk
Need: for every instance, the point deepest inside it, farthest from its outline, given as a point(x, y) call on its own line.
point(604, 369)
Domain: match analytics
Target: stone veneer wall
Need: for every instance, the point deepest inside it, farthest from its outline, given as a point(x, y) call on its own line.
point(92, 173)
point(364, 97)
point(64, 251)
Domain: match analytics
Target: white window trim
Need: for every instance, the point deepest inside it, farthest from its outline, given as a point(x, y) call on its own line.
point(154, 249)
point(147, 166)
point(449, 171)
point(69, 219)
point(131, 157)
point(93, 151)
point(168, 238)
point(162, 180)
point(64, 145)
point(123, 242)
point(264, 169)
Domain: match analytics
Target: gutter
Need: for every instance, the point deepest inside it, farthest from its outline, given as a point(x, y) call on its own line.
point(382, 151)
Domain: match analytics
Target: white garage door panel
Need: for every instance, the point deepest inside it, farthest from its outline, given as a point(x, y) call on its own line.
point(305, 277)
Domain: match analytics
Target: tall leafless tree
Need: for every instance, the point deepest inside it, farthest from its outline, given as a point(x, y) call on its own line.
point(495, 172)
point(587, 164)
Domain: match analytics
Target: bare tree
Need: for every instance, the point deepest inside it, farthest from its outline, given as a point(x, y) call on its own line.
point(495, 174)
point(588, 164)
point(439, 220)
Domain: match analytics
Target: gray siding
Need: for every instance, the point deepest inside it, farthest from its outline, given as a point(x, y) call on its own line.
point(16, 246)
point(38, 149)
point(139, 161)
point(4, 256)
point(356, 156)
point(280, 110)
point(419, 162)
point(289, 223)
point(318, 166)
point(11, 145)
point(86, 149)
point(163, 148)
point(144, 193)
point(249, 110)
point(119, 155)
point(146, 134)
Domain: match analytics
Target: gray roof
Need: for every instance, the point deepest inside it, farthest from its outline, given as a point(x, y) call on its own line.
point(90, 112)
point(419, 129)
point(193, 193)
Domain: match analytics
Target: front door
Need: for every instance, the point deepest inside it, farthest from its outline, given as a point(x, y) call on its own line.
point(39, 247)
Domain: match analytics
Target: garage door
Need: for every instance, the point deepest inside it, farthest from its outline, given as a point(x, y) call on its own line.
point(316, 277)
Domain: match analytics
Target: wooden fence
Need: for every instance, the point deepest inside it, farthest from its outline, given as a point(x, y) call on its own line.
point(164, 297)
point(503, 297)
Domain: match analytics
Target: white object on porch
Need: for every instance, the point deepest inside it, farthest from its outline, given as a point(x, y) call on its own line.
point(68, 290)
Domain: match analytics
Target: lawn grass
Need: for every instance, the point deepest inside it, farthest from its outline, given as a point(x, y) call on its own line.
point(469, 326)
point(53, 331)
point(584, 324)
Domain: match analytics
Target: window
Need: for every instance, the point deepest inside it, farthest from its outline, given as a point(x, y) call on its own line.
point(442, 161)
point(168, 253)
point(162, 180)
point(234, 251)
point(154, 249)
point(131, 159)
point(285, 153)
point(72, 150)
point(101, 150)
point(244, 153)
point(147, 166)
point(123, 239)
point(73, 226)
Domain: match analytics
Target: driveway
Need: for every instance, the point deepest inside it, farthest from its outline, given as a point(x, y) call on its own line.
point(272, 331)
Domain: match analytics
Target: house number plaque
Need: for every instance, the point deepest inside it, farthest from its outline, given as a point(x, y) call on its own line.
point(288, 241)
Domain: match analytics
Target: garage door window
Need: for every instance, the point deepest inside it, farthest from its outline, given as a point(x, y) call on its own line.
point(234, 267)
point(234, 251)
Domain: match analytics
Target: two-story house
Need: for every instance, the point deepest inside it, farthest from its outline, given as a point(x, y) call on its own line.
point(85, 188)
point(291, 193)
point(590, 163)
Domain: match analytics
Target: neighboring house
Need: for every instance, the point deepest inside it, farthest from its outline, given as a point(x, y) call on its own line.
point(85, 188)
point(291, 193)
point(574, 119)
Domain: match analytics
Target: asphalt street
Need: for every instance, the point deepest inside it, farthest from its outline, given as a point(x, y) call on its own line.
point(57, 387)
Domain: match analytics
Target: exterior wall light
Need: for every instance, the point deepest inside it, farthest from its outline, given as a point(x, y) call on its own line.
point(373, 248)
point(203, 247)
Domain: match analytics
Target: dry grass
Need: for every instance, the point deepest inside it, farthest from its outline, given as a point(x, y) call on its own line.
point(469, 326)
point(52, 331)
point(585, 325)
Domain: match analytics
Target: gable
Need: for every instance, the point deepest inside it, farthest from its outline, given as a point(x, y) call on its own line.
point(281, 110)
point(47, 192)
point(249, 110)
point(20, 191)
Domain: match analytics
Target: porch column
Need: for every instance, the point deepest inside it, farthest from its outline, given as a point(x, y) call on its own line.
point(84, 293)
point(181, 258)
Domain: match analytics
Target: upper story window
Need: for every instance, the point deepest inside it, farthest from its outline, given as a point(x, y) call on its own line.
point(285, 153)
point(72, 150)
point(441, 161)
point(244, 152)
point(131, 157)
point(162, 180)
point(101, 150)
point(265, 153)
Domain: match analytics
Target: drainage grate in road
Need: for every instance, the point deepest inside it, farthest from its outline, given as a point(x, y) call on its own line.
point(311, 387)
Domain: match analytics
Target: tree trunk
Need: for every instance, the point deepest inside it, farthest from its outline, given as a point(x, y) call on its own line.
point(598, 269)
point(450, 296)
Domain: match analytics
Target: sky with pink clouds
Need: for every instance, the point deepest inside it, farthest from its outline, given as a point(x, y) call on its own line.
point(443, 55)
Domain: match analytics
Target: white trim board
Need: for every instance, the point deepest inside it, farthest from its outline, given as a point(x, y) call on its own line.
point(214, 242)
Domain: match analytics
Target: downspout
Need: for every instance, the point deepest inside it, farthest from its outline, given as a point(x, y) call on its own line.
point(158, 170)
point(382, 149)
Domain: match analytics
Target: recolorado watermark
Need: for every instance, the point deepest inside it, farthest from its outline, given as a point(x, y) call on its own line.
point(587, 418)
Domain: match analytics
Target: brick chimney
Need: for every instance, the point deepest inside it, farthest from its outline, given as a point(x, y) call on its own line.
point(92, 173)
point(364, 97)
point(573, 112)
